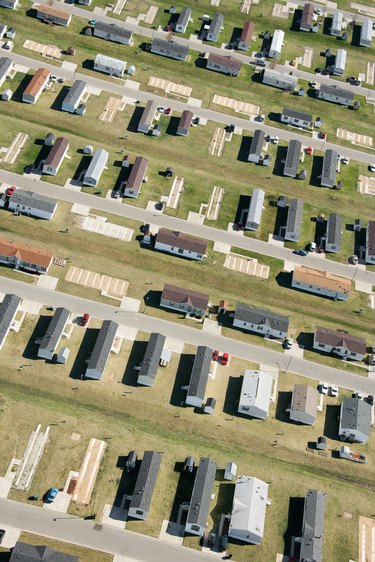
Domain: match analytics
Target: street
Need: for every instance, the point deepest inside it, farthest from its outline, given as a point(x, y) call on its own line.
point(274, 359)
point(207, 232)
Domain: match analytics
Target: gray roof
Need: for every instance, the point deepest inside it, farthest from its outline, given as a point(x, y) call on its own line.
point(148, 113)
point(337, 20)
point(202, 491)
point(334, 230)
point(297, 114)
point(216, 24)
point(146, 480)
point(329, 165)
point(33, 200)
point(55, 328)
point(292, 158)
point(75, 92)
point(152, 356)
point(113, 29)
point(169, 46)
point(336, 91)
point(313, 526)
point(8, 309)
point(103, 345)
point(200, 371)
point(257, 142)
point(294, 220)
point(23, 552)
point(258, 316)
point(254, 213)
point(355, 414)
point(183, 18)
point(5, 66)
point(97, 164)
point(279, 79)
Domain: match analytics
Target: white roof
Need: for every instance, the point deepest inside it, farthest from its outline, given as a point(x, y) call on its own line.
point(103, 60)
point(97, 164)
point(277, 40)
point(340, 59)
point(366, 30)
point(249, 506)
point(256, 390)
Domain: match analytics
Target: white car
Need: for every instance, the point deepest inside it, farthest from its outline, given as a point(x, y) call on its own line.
point(358, 395)
point(161, 109)
point(323, 388)
point(344, 160)
point(372, 167)
point(334, 390)
point(275, 140)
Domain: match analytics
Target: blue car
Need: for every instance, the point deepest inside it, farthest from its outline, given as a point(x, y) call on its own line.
point(300, 252)
point(51, 495)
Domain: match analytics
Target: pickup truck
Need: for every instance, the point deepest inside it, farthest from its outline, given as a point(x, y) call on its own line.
point(345, 453)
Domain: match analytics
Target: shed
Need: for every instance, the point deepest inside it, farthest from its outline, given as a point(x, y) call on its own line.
point(7, 95)
point(255, 210)
point(230, 471)
point(210, 406)
point(49, 140)
point(63, 355)
point(88, 149)
point(321, 443)
point(199, 377)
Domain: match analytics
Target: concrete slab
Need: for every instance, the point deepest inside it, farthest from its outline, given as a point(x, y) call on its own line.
point(363, 287)
point(123, 558)
point(295, 351)
point(171, 532)
point(5, 485)
point(12, 534)
point(80, 209)
point(61, 503)
point(275, 241)
point(99, 225)
point(152, 206)
point(47, 282)
point(289, 266)
point(66, 65)
point(127, 333)
point(72, 184)
point(195, 217)
point(195, 102)
point(114, 516)
point(234, 230)
point(30, 307)
point(130, 305)
point(174, 345)
point(211, 326)
point(222, 248)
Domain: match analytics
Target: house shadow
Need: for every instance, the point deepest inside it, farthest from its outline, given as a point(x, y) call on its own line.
point(135, 119)
point(316, 171)
point(306, 340)
point(278, 168)
point(242, 209)
point(296, 21)
point(257, 77)
point(40, 328)
point(224, 502)
point(320, 230)
point(184, 490)
point(173, 126)
point(356, 36)
point(327, 25)
point(283, 402)
point(57, 102)
point(41, 157)
point(17, 94)
point(31, 13)
point(121, 178)
point(137, 353)
point(88, 64)
point(232, 396)
point(183, 373)
point(235, 37)
point(127, 482)
point(200, 62)
point(244, 150)
point(152, 298)
point(330, 61)
point(85, 349)
point(284, 279)
point(294, 523)
point(82, 167)
point(274, 116)
point(173, 19)
point(5, 556)
point(280, 221)
point(359, 241)
point(331, 422)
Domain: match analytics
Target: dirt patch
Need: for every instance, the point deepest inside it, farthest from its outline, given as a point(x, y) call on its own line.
point(89, 471)
point(50, 51)
point(75, 436)
point(246, 5)
point(150, 16)
point(111, 286)
point(119, 6)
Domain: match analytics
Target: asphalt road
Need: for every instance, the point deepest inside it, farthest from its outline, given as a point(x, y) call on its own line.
point(198, 45)
point(135, 547)
point(115, 207)
point(144, 322)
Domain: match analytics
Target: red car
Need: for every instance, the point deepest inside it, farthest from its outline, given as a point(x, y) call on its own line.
point(85, 318)
point(215, 355)
point(10, 190)
point(225, 359)
point(168, 111)
point(309, 150)
point(323, 135)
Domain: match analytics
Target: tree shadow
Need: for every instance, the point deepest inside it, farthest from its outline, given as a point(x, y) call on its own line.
point(283, 402)
point(173, 126)
point(88, 64)
point(244, 150)
point(40, 328)
point(85, 349)
point(137, 353)
point(184, 490)
point(135, 119)
point(278, 168)
point(232, 396)
point(316, 171)
point(331, 422)
point(294, 523)
point(57, 102)
point(183, 373)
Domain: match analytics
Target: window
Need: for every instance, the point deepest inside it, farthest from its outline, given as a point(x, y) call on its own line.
point(321, 345)
point(353, 353)
point(180, 251)
point(139, 512)
point(199, 255)
point(195, 528)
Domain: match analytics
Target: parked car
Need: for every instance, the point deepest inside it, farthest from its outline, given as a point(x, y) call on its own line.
point(345, 160)
point(288, 343)
point(92, 22)
point(322, 135)
point(168, 111)
point(334, 390)
point(84, 320)
point(215, 355)
point(358, 395)
point(225, 359)
point(313, 84)
point(275, 140)
point(308, 150)
point(300, 252)
point(323, 388)
point(145, 228)
point(372, 167)
point(260, 118)
point(370, 399)
point(117, 194)
point(2, 533)
point(353, 259)
point(161, 109)
point(51, 495)
point(10, 190)
point(260, 62)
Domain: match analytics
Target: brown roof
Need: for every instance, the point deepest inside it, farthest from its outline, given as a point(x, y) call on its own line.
point(57, 152)
point(186, 119)
point(228, 61)
point(371, 238)
point(305, 399)
point(137, 174)
point(307, 14)
point(322, 279)
point(340, 339)
point(181, 240)
point(26, 253)
point(176, 294)
point(247, 31)
point(37, 81)
point(54, 12)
